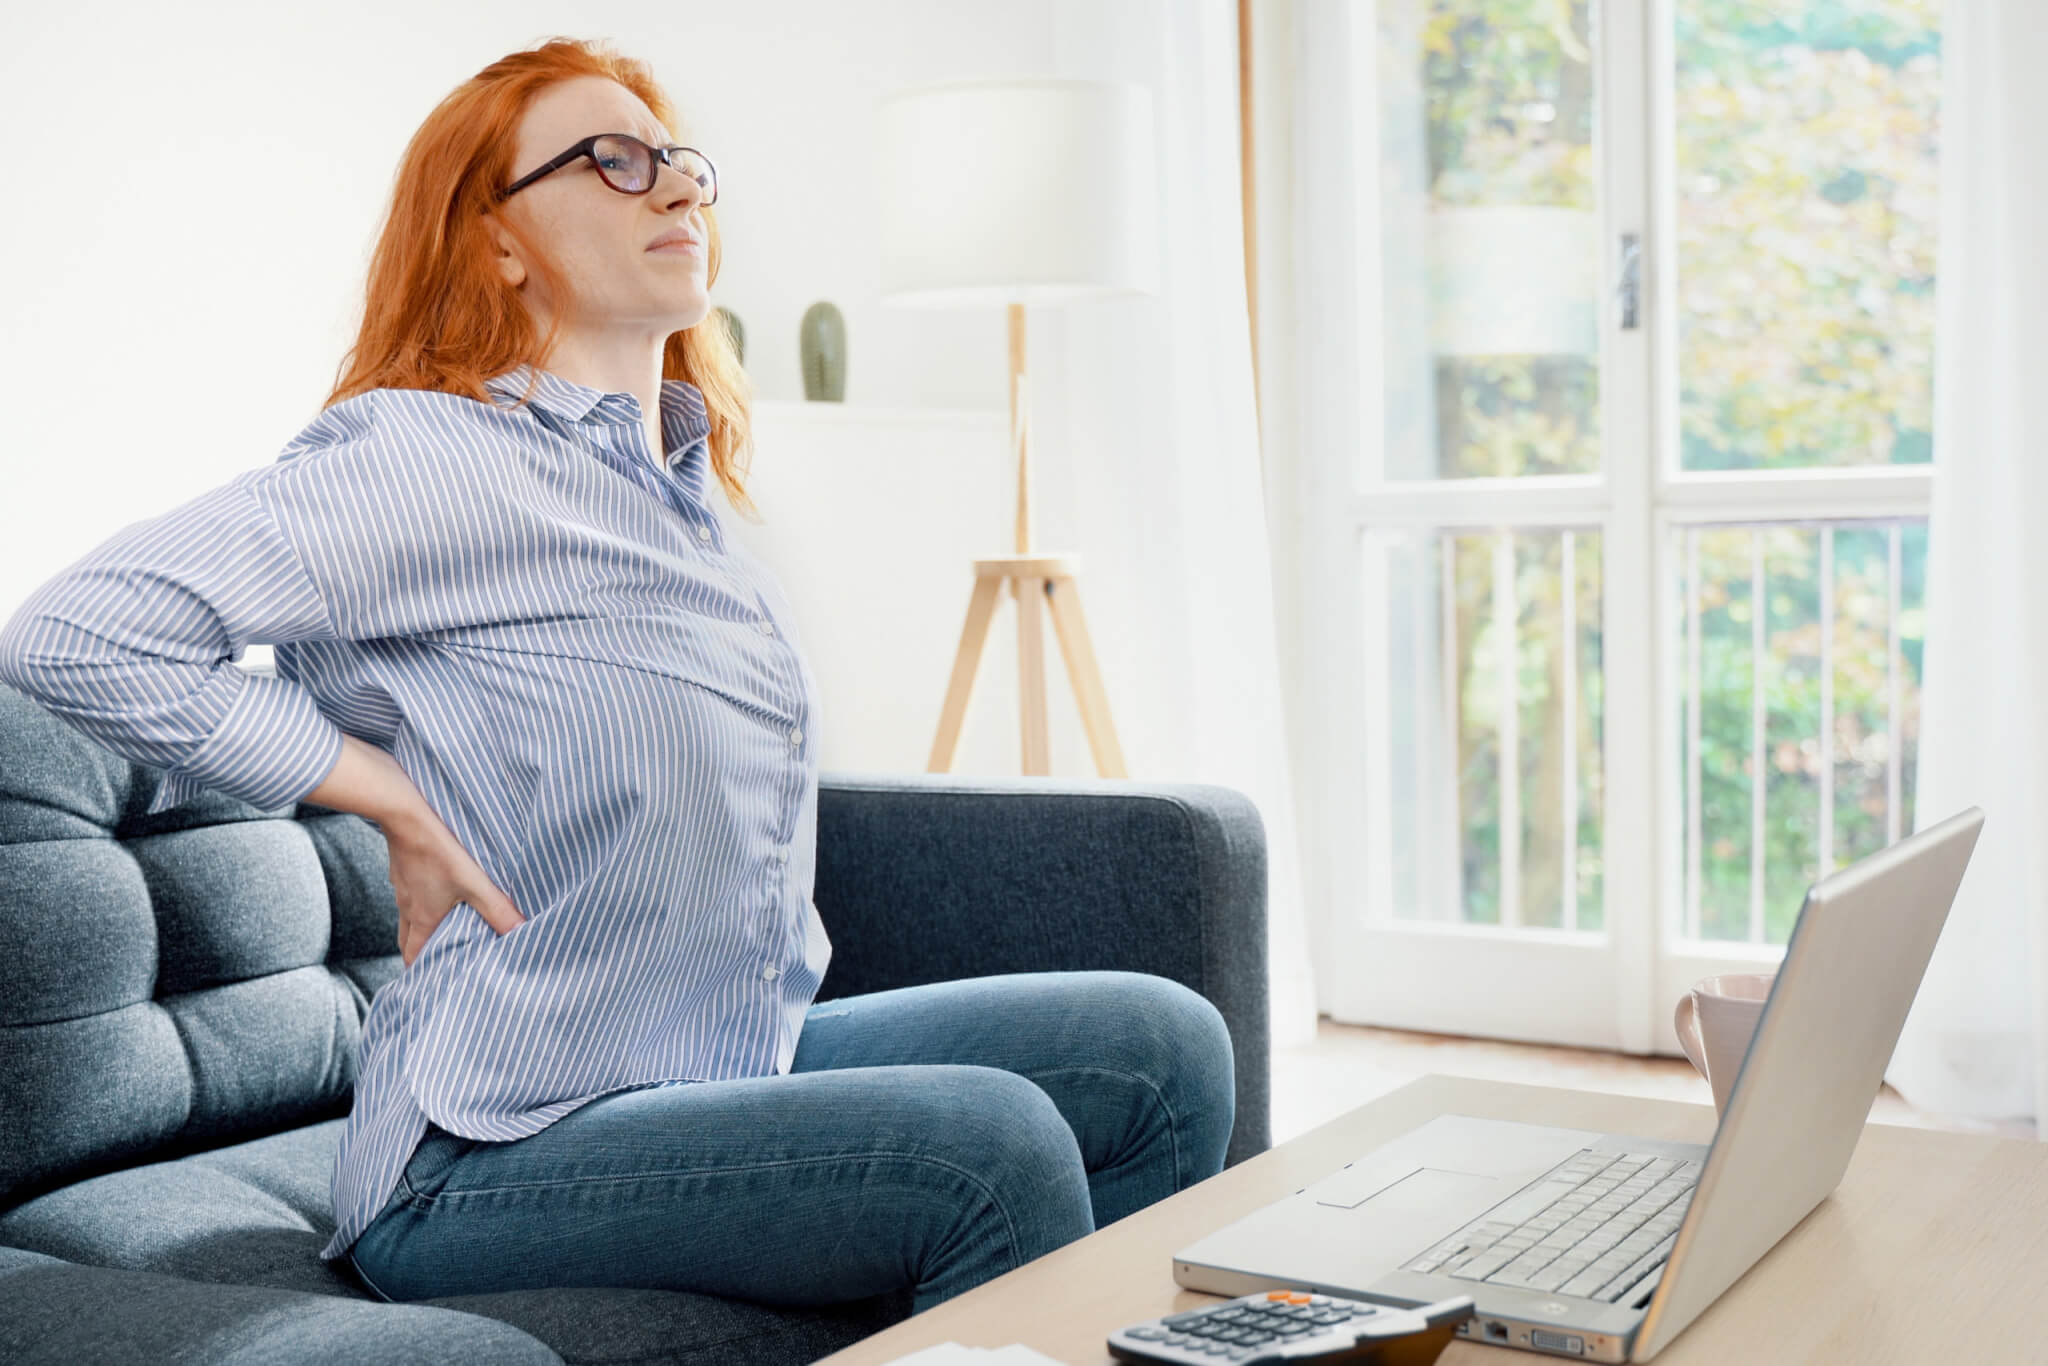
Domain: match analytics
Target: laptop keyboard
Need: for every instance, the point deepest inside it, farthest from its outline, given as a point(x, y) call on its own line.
point(1595, 1226)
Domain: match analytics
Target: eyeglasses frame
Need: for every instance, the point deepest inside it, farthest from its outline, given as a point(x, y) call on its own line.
point(588, 146)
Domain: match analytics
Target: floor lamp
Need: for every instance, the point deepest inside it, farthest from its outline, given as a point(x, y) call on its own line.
point(1012, 193)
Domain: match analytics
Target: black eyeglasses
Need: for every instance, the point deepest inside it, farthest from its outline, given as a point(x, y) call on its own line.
point(627, 165)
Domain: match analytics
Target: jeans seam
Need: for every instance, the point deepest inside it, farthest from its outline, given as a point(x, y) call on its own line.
point(1172, 1119)
point(1009, 1224)
point(375, 1289)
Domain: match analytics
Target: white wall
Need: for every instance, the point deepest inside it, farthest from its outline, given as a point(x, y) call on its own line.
point(194, 190)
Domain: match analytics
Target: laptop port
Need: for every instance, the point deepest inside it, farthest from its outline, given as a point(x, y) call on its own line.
point(1557, 1342)
point(1496, 1332)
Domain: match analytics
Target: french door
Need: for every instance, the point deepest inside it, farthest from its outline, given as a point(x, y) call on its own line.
point(1625, 584)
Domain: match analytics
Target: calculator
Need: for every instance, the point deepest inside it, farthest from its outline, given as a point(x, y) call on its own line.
point(1292, 1325)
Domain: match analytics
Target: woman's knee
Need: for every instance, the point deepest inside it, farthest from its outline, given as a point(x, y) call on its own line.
point(1007, 1134)
point(1181, 1037)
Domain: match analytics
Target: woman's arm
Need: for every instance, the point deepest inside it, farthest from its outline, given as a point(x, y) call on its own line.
point(360, 530)
point(370, 783)
point(134, 646)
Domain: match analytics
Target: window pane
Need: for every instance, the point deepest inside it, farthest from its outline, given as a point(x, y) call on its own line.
point(1727, 561)
point(1862, 648)
point(1494, 647)
point(1559, 728)
point(1792, 722)
point(1805, 184)
point(1835, 651)
point(1491, 249)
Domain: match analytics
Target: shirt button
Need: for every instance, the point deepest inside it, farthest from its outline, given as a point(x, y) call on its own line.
point(780, 855)
point(796, 737)
point(771, 972)
point(767, 629)
point(703, 533)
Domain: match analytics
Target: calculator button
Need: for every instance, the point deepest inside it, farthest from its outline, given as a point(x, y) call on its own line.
point(1146, 1334)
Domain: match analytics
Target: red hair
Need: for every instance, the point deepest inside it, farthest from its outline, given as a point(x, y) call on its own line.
point(436, 312)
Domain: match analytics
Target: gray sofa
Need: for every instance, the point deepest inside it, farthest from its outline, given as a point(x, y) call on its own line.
point(181, 994)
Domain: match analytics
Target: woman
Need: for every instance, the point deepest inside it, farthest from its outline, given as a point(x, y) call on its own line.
point(512, 633)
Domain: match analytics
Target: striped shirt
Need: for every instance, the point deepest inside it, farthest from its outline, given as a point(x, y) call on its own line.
point(597, 693)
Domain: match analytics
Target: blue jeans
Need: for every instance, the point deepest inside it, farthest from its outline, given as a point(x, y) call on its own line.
point(932, 1137)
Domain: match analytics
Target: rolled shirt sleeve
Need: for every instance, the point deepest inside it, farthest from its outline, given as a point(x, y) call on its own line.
point(134, 645)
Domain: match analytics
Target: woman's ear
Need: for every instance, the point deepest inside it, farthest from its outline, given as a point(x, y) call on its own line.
point(505, 252)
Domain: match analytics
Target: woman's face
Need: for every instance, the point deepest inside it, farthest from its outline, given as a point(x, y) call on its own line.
point(595, 235)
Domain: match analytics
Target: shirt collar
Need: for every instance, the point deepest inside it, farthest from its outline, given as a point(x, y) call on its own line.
point(684, 420)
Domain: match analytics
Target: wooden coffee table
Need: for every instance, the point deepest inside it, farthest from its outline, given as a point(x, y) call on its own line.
point(1934, 1248)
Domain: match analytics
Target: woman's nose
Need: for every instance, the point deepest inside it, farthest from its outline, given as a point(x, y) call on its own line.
point(677, 187)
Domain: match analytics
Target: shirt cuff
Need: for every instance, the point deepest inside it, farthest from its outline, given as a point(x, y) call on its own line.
point(273, 747)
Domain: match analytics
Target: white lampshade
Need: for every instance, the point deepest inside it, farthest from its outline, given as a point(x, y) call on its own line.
point(1017, 191)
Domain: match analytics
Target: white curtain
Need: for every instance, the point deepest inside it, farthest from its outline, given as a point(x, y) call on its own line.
point(1977, 1040)
point(1145, 458)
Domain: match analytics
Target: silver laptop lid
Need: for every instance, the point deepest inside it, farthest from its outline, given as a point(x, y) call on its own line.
point(1854, 963)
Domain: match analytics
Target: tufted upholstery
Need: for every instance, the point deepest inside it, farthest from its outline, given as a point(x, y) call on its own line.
point(181, 996)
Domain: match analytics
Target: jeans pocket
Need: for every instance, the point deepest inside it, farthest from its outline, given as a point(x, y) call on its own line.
point(435, 1157)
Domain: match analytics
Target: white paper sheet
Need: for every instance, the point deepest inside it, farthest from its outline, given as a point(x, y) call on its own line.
point(953, 1354)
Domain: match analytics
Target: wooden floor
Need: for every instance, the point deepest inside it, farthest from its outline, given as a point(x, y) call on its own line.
point(1348, 1065)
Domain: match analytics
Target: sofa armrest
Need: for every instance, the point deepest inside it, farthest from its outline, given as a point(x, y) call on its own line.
point(930, 878)
point(56, 1313)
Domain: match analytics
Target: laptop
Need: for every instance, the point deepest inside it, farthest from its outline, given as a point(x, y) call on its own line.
point(1604, 1246)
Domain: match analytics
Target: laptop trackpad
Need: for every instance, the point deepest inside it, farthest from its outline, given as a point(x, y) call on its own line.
point(1400, 1220)
point(1424, 1190)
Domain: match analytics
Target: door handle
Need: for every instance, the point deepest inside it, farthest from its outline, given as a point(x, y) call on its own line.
point(1628, 293)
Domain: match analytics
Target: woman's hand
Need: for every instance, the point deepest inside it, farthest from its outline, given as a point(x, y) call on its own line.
point(430, 870)
point(430, 873)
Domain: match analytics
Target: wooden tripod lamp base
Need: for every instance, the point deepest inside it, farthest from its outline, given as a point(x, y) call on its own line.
point(1037, 582)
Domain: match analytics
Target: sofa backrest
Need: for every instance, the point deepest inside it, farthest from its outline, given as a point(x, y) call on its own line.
point(174, 982)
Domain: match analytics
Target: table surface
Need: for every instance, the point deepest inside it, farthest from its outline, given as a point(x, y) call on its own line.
point(1933, 1248)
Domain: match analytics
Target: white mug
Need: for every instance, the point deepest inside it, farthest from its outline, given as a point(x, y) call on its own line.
point(1715, 1021)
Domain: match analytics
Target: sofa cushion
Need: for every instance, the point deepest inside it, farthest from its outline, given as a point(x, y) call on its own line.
point(170, 982)
point(256, 1214)
point(59, 1314)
